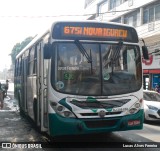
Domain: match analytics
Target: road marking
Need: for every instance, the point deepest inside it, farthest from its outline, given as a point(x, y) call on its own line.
point(153, 137)
point(151, 132)
point(155, 127)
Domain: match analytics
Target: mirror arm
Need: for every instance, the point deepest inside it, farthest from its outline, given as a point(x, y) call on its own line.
point(145, 50)
point(47, 51)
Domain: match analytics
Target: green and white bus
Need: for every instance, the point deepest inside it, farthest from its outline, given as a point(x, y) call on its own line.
point(82, 77)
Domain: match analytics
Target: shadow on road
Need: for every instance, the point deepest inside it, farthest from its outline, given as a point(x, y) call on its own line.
point(157, 123)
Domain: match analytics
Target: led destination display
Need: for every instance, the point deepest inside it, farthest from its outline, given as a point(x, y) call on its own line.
point(94, 31)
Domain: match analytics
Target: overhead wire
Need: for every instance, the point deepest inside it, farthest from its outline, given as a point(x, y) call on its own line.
point(88, 14)
point(50, 16)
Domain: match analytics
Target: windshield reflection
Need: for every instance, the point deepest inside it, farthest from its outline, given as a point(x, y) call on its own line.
point(112, 70)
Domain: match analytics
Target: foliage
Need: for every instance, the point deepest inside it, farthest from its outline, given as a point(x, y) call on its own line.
point(18, 47)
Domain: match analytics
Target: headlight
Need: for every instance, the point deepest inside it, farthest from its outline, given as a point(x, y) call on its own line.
point(152, 107)
point(61, 110)
point(133, 110)
point(135, 107)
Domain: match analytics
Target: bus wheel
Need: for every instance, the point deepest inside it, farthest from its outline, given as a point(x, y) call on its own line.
point(35, 110)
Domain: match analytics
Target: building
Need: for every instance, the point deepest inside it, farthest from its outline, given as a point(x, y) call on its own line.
point(144, 15)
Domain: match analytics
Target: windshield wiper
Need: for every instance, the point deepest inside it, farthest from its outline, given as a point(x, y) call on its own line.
point(118, 48)
point(83, 51)
point(116, 54)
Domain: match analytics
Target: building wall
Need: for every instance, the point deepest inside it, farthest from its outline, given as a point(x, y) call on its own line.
point(137, 13)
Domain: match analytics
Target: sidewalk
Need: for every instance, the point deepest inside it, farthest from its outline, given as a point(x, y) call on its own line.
point(10, 103)
point(15, 128)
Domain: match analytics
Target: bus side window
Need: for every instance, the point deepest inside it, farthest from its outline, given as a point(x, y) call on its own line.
point(31, 60)
point(16, 68)
point(35, 61)
point(20, 67)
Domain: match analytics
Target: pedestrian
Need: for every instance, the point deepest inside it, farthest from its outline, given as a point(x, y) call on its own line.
point(1, 96)
point(157, 88)
point(6, 87)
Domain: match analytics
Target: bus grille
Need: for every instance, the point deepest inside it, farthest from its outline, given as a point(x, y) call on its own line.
point(100, 123)
point(96, 114)
point(100, 104)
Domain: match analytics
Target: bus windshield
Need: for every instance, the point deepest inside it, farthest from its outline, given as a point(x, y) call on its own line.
point(112, 69)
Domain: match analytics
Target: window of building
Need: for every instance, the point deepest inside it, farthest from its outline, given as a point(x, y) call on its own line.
point(138, 18)
point(157, 12)
point(118, 20)
point(119, 2)
point(102, 7)
point(87, 3)
point(145, 16)
point(132, 19)
point(112, 4)
point(105, 6)
point(130, 3)
point(148, 15)
point(151, 13)
point(115, 3)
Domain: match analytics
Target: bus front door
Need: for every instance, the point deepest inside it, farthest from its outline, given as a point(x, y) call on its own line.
point(24, 85)
point(42, 89)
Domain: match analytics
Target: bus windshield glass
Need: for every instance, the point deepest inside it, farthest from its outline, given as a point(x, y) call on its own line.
point(113, 69)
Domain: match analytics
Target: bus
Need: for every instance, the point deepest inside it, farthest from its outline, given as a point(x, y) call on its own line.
point(82, 77)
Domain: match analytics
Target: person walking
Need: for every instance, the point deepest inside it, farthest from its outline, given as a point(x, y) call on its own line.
point(157, 88)
point(6, 87)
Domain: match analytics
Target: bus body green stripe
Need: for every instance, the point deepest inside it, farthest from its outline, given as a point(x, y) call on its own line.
point(63, 102)
point(59, 125)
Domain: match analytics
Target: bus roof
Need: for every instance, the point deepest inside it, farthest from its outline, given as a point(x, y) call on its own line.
point(34, 40)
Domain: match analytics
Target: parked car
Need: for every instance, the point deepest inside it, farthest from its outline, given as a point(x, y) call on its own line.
point(151, 105)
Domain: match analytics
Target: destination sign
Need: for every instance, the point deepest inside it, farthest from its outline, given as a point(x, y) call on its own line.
point(94, 31)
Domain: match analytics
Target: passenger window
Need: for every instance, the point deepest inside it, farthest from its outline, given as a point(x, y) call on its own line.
point(31, 60)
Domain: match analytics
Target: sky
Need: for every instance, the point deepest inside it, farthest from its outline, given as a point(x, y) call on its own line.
point(20, 19)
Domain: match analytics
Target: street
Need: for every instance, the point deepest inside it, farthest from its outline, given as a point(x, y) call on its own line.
point(16, 128)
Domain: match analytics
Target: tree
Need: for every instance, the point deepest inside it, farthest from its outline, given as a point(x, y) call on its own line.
point(18, 47)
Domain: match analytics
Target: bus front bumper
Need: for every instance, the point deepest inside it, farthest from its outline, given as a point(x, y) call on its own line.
point(59, 125)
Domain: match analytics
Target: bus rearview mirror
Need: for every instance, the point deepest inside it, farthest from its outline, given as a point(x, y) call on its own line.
point(47, 51)
point(145, 52)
